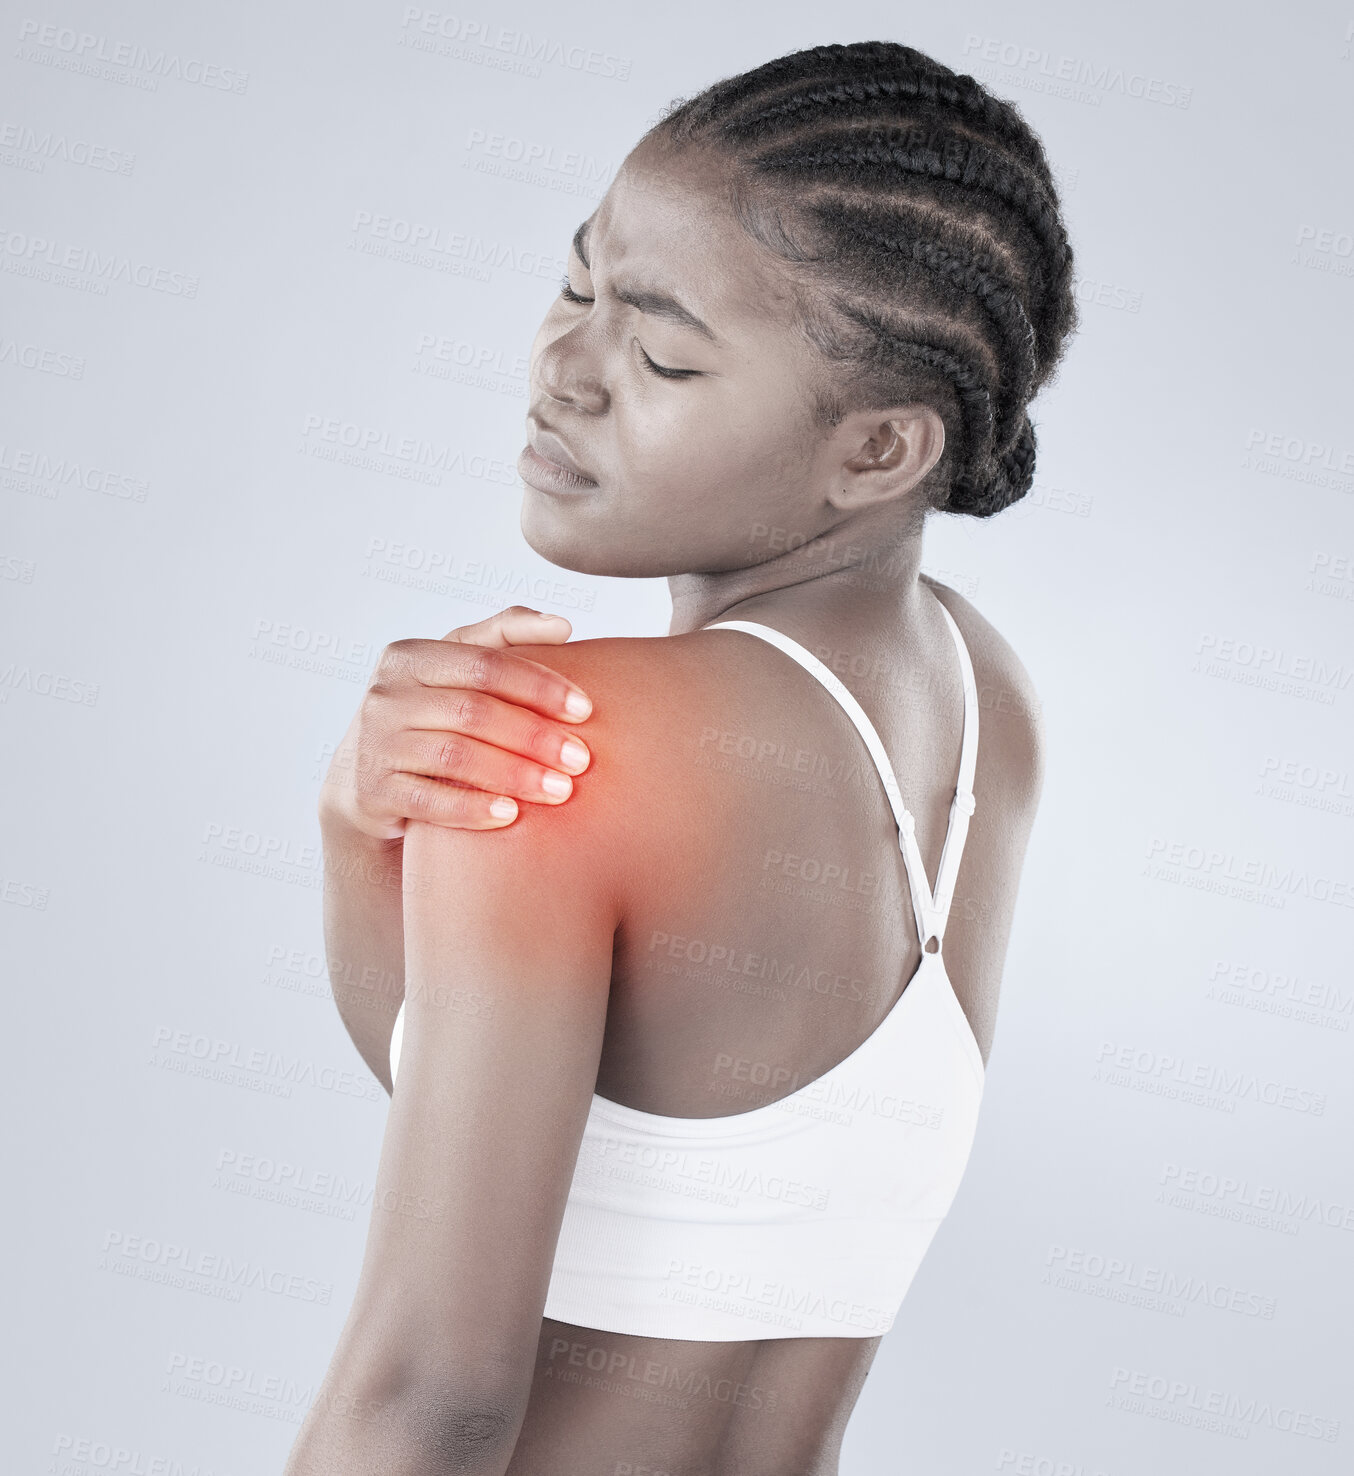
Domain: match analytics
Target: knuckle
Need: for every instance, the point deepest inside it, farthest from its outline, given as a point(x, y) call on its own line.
point(370, 739)
point(468, 712)
point(539, 738)
point(368, 774)
point(395, 663)
point(421, 802)
point(480, 669)
point(451, 754)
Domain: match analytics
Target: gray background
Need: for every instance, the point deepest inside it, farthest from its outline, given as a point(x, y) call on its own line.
point(1146, 1270)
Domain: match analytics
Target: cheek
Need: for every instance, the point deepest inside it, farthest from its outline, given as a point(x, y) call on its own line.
point(727, 430)
point(755, 436)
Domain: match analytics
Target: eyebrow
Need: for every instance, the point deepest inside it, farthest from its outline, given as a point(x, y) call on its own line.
point(655, 304)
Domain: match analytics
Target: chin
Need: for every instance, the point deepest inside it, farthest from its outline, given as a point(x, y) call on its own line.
point(588, 545)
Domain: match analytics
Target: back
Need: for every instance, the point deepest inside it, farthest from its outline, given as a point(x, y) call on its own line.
point(772, 930)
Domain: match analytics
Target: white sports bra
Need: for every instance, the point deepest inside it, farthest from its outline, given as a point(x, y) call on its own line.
point(807, 1217)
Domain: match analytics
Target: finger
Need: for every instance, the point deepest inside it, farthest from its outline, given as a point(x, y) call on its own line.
point(458, 759)
point(440, 803)
point(518, 625)
point(501, 724)
point(500, 673)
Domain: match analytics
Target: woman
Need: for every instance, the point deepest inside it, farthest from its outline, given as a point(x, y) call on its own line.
point(684, 1085)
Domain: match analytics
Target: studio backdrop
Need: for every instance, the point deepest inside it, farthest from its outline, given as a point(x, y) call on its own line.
point(270, 274)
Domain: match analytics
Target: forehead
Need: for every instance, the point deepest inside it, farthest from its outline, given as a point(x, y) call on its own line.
point(668, 221)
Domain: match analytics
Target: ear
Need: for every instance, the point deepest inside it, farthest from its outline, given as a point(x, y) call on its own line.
point(888, 453)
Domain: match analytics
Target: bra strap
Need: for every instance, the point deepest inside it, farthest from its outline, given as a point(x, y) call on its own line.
point(963, 804)
point(922, 906)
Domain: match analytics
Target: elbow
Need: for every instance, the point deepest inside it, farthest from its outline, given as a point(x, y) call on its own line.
point(401, 1428)
point(467, 1433)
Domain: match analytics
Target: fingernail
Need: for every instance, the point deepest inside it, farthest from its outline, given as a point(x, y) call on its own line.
point(573, 755)
point(554, 783)
point(503, 808)
point(577, 704)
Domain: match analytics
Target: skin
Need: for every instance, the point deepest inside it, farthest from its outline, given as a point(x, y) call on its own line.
point(530, 977)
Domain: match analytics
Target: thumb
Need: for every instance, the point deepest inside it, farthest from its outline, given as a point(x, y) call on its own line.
point(516, 626)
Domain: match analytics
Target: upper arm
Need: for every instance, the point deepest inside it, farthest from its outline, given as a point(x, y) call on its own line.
point(508, 947)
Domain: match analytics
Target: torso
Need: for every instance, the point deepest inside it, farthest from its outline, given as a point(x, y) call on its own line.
point(738, 876)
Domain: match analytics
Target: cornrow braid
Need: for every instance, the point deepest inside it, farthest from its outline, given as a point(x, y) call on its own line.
point(720, 100)
point(922, 213)
point(961, 162)
point(1004, 477)
point(863, 97)
point(971, 271)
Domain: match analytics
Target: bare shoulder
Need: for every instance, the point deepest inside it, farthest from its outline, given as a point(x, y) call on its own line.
point(647, 703)
point(1010, 712)
point(629, 678)
point(666, 710)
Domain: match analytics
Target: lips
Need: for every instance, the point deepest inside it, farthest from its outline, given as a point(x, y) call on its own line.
point(547, 445)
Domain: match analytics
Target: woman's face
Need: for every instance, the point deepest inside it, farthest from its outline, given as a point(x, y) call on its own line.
point(706, 461)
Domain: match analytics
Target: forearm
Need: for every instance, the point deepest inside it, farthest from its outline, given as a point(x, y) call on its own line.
point(364, 938)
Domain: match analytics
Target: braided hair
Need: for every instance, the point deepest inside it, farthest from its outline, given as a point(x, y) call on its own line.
point(922, 215)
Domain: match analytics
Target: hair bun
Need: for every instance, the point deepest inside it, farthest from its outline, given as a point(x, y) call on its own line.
point(1002, 481)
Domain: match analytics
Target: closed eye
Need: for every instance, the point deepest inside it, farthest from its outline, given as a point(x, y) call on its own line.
point(665, 373)
point(569, 295)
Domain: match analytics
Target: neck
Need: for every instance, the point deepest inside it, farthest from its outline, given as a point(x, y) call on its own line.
point(831, 581)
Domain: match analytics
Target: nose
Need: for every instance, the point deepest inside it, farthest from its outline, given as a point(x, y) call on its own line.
point(567, 372)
